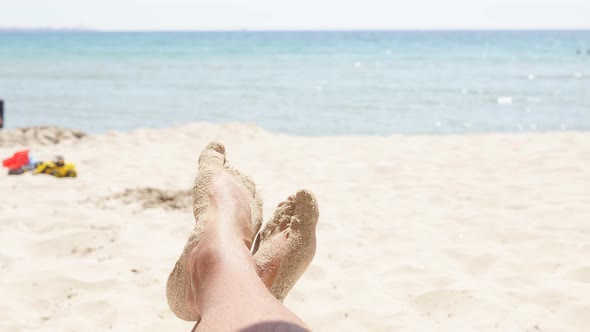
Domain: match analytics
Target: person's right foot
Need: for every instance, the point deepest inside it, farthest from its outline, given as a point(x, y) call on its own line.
point(286, 245)
point(227, 212)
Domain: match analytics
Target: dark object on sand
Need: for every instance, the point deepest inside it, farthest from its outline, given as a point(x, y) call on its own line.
point(17, 171)
point(1, 113)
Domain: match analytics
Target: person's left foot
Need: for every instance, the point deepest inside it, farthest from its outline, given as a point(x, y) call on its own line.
point(286, 245)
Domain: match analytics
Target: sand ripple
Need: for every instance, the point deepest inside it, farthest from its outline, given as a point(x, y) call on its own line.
point(38, 136)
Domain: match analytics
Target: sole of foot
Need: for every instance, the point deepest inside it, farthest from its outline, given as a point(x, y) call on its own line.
point(286, 246)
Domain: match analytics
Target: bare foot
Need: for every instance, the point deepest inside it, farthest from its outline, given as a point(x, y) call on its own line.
point(225, 204)
point(286, 246)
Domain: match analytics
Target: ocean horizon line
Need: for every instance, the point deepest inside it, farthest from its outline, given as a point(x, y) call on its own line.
point(311, 30)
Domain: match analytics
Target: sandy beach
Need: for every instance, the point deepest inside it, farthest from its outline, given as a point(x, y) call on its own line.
point(486, 232)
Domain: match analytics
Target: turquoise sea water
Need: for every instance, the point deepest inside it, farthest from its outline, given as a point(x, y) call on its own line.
point(311, 83)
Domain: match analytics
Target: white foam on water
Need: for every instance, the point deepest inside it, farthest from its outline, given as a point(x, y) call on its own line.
point(504, 100)
point(534, 100)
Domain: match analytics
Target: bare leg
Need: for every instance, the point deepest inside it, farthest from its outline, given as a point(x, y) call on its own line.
point(214, 282)
point(180, 290)
point(228, 293)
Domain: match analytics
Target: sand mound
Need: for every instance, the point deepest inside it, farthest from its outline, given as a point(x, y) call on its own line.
point(38, 136)
point(150, 198)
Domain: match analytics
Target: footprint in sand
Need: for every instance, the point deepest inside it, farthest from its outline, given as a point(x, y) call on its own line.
point(71, 243)
point(445, 303)
point(581, 274)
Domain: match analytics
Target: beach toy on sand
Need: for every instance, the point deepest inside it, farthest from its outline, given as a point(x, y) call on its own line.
point(17, 161)
point(58, 168)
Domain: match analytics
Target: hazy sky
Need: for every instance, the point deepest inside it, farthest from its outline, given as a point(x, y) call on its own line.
point(295, 14)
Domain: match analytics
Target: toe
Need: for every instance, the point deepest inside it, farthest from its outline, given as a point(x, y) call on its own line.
point(212, 156)
point(306, 206)
point(280, 219)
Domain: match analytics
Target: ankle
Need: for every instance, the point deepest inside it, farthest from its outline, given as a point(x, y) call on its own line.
point(217, 253)
point(230, 220)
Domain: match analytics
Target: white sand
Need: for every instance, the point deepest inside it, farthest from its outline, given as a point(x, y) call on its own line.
point(416, 233)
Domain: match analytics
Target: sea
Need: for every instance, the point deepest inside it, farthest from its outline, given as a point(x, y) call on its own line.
point(302, 83)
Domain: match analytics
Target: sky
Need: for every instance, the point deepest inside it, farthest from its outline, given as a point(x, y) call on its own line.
point(295, 14)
